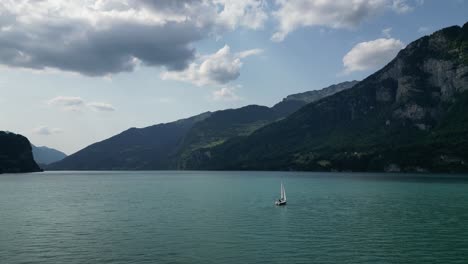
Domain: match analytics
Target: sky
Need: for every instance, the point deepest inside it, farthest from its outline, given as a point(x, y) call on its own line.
point(75, 72)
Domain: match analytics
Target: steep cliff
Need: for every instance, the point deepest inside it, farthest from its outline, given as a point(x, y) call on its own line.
point(16, 154)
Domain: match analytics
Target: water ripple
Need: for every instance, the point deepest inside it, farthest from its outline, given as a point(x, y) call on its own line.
point(229, 217)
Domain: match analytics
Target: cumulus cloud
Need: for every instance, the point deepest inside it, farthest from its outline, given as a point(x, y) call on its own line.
point(103, 107)
point(46, 131)
point(291, 15)
point(371, 55)
point(225, 94)
point(103, 37)
point(214, 69)
point(247, 13)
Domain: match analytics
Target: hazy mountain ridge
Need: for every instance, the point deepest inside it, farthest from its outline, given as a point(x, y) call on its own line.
point(146, 148)
point(44, 155)
point(16, 154)
point(409, 116)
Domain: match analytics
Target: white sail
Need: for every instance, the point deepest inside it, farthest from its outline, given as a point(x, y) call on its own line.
point(282, 200)
point(283, 193)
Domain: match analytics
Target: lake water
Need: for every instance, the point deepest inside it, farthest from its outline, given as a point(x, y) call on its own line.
point(230, 217)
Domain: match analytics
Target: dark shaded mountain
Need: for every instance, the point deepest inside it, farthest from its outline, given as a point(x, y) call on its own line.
point(412, 115)
point(16, 154)
point(45, 155)
point(146, 148)
point(167, 146)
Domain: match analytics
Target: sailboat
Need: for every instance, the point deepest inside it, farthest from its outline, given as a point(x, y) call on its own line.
point(282, 200)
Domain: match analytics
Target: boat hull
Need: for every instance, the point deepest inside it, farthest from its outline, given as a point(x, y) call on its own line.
point(280, 203)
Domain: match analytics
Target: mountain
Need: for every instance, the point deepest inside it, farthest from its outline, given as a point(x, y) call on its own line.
point(226, 124)
point(134, 149)
point(412, 115)
point(293, 102)
point(15, 154)
point(45, 155)
point(313, 96)
point(168, 146)
point(223, 125)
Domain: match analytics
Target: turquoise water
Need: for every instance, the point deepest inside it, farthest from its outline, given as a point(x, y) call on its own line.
point(229, 217)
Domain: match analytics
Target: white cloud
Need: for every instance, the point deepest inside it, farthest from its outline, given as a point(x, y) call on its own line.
point(69, 103)
point(246, 13)
point(74, 103)
point(226, 94)
point(46, 131)
point(102, 107)
point(248, 53)
point(66, 101)
point(371, 55)
point(214, 69)
point(333, 14)
point(401, 6)
point(52, 34)
point(387, 32)
point(347, 14)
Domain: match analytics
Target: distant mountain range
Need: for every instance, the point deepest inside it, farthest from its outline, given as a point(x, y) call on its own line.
point(409, 116)
point(45, 155)
point(16, 154)
point(169, 146)
point(134, 149)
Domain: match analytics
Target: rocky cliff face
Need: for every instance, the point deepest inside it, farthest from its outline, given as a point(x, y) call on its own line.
point(427, 74)
point(16, 154)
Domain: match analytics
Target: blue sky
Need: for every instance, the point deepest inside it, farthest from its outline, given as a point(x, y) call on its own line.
point(77, 72)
